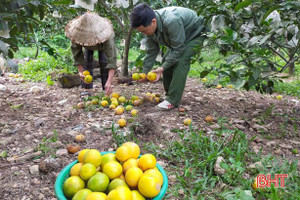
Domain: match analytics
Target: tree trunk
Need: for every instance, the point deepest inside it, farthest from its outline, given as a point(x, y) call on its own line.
point(292, 68)
point(124, 69)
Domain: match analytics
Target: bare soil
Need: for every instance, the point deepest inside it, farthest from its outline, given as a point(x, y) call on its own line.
point(32, 113)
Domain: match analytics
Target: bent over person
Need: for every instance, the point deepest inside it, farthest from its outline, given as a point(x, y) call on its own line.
point(89, 33)
point(179, 29)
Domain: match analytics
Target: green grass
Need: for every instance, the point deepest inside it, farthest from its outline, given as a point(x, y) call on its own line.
point(39, 69)
point(191, 160)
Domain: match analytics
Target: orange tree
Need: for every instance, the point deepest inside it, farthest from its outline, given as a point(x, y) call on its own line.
point(257, 38)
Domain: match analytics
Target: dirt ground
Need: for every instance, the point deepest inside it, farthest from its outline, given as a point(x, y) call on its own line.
point(31, 114)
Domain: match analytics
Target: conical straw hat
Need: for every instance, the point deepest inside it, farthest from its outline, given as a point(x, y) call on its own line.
point(89, 29)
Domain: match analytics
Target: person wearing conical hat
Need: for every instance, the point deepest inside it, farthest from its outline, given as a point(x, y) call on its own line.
point(89, 33)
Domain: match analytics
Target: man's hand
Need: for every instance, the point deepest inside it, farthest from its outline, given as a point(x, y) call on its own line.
point(158, 72)
point(108, 88)
point(80, 72)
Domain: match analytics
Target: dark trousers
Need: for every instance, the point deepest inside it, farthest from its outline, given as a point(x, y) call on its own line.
point(89, 66)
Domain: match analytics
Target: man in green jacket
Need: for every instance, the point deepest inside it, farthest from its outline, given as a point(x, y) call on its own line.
point(89, 33)
point(182, 31)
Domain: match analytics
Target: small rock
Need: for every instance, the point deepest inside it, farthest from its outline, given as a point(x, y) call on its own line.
point(62, 102)
point(2, 88)
point(39, 122)
point(256, 149)
point(217, 168)
point(66, 114)
point(286, 146)
point(73, 133)
point(61, 152)
point(27, 137)
point(41, 196)
point(257, 165)
point(199, 99)
point(36, 89)
point(240, 127)
point(36, 181)
point(258, 140)
point(215, 126)
point(259, 128)
point(34, 170)
point(6, 132)
point(95, 127)
point(272, 143)
point(161, 163)
point(278, 152)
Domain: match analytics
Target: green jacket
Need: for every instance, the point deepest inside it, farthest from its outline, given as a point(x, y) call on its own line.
point(108, 47)
point(175, 27)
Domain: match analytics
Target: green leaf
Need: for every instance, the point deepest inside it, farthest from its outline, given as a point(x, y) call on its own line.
point(265, 38)
point(204, 73)
point(18, 106)
point(242, 4)
point(254, 40)
point(232, 58)
point(3, 154)
point(256, 72)
point(240, 83)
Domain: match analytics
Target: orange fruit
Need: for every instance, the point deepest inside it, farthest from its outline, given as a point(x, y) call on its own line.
point(98, 183)
point(93, 156)
point(133, 176)
point(134, 112)
point(120, 193)
point(209, 118)
point(147, 161)
point(75, 169)
point(106, 158)
point(104, 103)
point(88, 78)
point(204, 79)
point(123, 153)
point(143, 75)
point(187, 121)
point(87, 171)
point(112, 106)
point(219, 86)
point(116, 183)
point(156, 173)
point(115, 95)
point(112, 169)
point(131, 162)
point(119, 110)
point(136, 76)
point(81, 194)
point(128, 108)
point(115, 102)
point(135, 149)
point(81, 154)
point(96, 196)
point(122, 122)
point(149, 186)
point(121, 99)
point(72, 185)
point(86, 72)
point(136, 195)
point(151, 76)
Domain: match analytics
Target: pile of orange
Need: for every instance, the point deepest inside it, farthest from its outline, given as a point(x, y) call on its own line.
point(123, 175)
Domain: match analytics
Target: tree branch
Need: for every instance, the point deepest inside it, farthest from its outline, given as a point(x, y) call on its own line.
point(292, 60)
point(277, 53)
